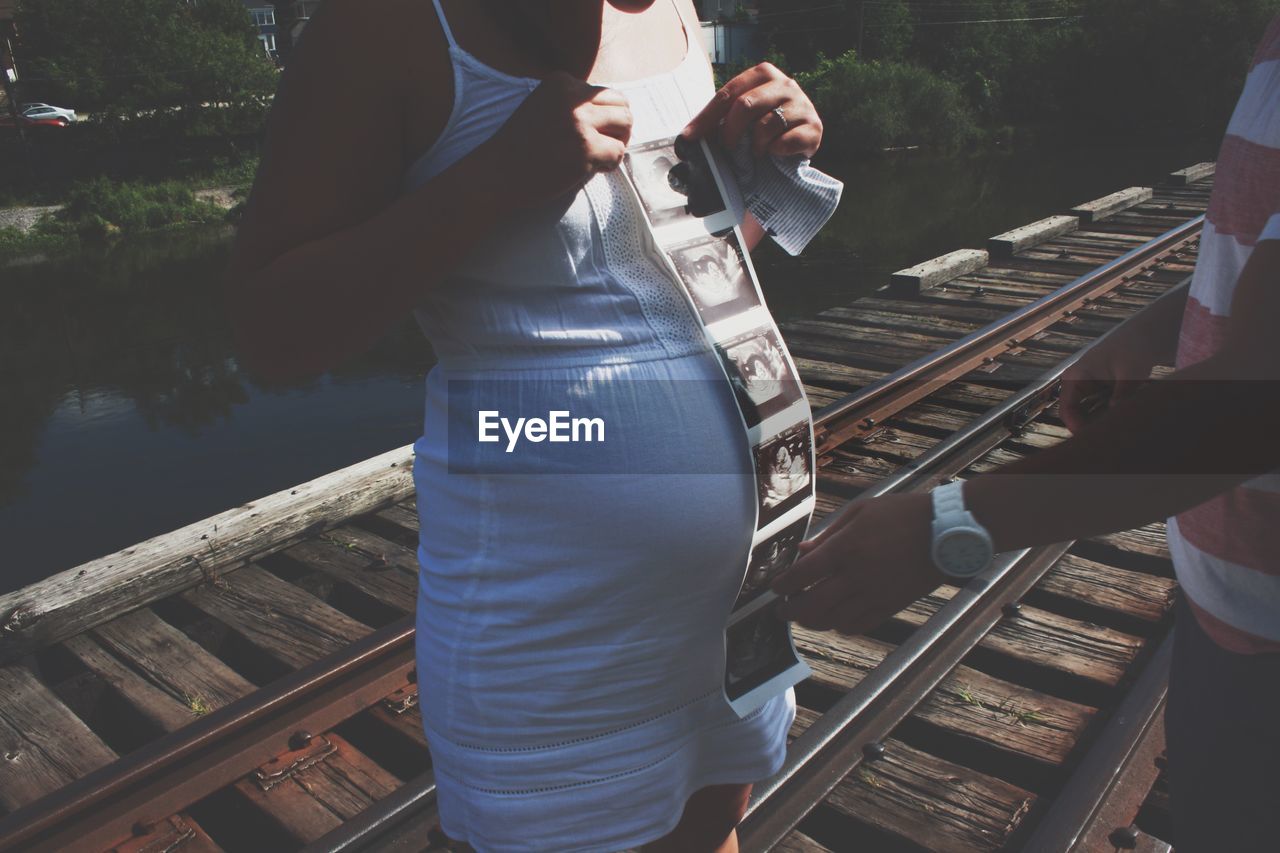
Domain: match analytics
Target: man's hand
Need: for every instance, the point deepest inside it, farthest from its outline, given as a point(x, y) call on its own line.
point(1121, 362)
point(866, 567)
point(750, 103)
point(1106, 374)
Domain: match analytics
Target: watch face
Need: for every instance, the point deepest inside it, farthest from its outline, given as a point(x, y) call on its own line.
point(962, 552)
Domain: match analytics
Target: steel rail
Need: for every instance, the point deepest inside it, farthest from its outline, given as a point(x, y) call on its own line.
point(167, 775)
point(831, 747)
point(838, 741)
point(398, 822)
point(862, 412)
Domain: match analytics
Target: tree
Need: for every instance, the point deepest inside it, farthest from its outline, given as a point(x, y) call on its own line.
point(886, 30)
point(1155, 63)
point(127, 56)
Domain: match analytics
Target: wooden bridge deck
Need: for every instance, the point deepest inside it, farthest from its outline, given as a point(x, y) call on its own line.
point(107, 659)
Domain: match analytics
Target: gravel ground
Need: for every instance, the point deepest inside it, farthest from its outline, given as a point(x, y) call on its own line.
point(24, 218)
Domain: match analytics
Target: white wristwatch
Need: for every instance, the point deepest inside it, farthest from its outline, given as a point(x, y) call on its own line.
point(961, 546)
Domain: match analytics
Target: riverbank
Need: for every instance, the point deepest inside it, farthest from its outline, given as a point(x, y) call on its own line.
point(103, 210)
point(25, 219)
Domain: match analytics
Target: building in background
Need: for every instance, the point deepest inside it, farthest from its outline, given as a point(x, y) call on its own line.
point(8, 71)
point(730, 32)
point(291, 19)
point(714, 10)
point(264, 18)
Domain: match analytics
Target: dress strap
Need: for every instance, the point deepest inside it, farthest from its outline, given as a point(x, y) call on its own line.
point(444, 23)
point(689, 33)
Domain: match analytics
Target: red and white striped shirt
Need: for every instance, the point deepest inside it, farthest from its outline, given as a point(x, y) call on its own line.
point(1226, 552)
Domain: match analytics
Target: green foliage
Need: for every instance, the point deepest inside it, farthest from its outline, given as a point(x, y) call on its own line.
point(1123, 67)
point(15, 243)
point(870, 106)
point(126, 57)
point(102, 207)
point(105, 206)
point(1156, 63)
point(888, 30)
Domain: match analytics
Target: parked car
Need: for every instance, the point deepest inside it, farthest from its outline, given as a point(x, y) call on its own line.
point(57, 121)
point(44, 112)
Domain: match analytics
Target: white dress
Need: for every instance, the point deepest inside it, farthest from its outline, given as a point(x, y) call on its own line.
point(572, 599)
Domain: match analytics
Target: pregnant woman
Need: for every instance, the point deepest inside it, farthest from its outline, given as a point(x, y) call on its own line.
point(459, 159)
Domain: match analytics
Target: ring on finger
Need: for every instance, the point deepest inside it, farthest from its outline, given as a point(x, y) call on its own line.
point(782, 117)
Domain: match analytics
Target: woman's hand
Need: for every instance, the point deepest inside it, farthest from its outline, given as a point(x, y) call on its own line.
point(750, 103)
point(562, 134)
point(863, 569)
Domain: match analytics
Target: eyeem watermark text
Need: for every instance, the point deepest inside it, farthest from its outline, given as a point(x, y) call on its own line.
point(559, 426)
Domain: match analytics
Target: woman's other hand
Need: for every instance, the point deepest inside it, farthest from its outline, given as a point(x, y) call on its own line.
point(750, 103)
point(562, 134)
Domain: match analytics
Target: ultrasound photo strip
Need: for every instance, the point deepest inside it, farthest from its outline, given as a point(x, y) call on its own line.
point(694, 235)
point(761, 374)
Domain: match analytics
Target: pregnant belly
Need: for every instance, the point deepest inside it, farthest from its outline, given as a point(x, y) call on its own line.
point(579, 585)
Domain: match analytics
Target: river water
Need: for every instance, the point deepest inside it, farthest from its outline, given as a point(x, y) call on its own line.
point(126, 415)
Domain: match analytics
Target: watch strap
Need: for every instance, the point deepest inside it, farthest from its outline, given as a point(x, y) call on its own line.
point(948, 500)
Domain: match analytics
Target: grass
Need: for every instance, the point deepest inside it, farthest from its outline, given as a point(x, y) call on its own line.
point(102, 209)
point(334, 540)
point(1021, 716)
point(15, 243)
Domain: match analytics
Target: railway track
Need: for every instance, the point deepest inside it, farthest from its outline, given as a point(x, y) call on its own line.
point(271, 704)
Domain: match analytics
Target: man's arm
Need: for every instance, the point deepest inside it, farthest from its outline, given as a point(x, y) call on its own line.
point(1163, 448)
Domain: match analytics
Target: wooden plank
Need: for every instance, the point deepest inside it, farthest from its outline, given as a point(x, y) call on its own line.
point(1149, 540)
point(1023, 276)
point(377, 567)
point(798, 842)
point(846, 475)
point(908, 318)
point(938, 270)
point(847, 378)
point(1135, 594)
point(315, 789)
point(42, 743)
point(1118, 243)
point(287, 623)
point(164, 675)
point(177, 834)
point(933, 803)
point(402, 514)
point(971, 704)
point(1030, 235)
point(1191, 174)
point(939, 805)
point(407, 723)
point(976, 315)
point(79, 598)
point(1045, 639)
point(861, 337)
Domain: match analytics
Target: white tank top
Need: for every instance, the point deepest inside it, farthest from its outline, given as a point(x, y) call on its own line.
point(484, 98)
point(568, 283)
